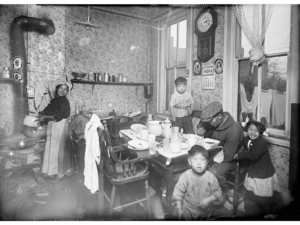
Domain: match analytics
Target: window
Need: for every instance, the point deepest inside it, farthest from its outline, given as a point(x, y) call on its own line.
point(174, 56)
point(268, 83)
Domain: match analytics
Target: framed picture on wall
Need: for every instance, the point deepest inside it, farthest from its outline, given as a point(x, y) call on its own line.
point(197, 68)
point(218, 66)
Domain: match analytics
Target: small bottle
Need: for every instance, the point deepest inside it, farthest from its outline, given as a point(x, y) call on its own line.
point(124, 79)
point(76, 108)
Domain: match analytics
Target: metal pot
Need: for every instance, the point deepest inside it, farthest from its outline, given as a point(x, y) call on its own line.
point(30, 121)
point(155, 127)
point(35, 132)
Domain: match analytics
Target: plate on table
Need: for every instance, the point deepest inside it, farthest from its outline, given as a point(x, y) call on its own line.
point(136, 127)
point(138, 145)
point(139, 137)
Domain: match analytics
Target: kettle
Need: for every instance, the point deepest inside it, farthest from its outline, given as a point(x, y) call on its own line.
point(167, 128)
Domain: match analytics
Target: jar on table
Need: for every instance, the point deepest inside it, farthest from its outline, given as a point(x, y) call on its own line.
point(175, 145)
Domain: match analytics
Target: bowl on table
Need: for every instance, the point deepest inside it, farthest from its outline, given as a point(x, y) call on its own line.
point(209, 143)
point(78, 76)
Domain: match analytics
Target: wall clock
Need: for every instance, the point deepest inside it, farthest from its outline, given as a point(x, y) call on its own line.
point(205, 26)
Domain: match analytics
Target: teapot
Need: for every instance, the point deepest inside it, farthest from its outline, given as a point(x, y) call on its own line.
point(167, 128)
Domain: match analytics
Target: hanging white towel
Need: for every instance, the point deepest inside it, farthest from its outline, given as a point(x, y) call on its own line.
point(92, 153)
point(278, 108)
point(265, 105)
point(248, 107)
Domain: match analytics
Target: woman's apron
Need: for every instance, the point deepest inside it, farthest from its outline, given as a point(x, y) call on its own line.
point(58, 155)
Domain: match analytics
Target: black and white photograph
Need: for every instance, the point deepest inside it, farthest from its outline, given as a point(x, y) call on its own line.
point(149, 111)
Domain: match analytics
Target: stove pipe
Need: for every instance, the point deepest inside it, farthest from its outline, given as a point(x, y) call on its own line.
point(19, 62)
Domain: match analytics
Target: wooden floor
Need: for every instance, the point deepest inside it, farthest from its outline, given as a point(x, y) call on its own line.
point(23, 199)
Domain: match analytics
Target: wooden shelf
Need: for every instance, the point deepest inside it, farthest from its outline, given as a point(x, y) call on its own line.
point(6, 80)
point(109, 83)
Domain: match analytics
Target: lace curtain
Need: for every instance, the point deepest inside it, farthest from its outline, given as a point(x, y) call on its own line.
point(254, 20)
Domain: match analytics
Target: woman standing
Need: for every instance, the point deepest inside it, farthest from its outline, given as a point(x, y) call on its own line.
point(58, 156)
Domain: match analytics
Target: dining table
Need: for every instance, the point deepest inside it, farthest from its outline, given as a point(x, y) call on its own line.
point(164, 164)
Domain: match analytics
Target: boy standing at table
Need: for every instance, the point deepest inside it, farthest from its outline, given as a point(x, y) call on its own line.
point(182, 106)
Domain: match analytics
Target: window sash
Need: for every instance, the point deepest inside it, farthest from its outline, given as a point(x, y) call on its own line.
point(238, 52)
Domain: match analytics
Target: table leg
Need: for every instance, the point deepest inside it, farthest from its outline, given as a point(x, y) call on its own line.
point(169, 191)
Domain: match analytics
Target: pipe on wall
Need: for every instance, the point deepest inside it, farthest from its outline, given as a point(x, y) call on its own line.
point(19, 62)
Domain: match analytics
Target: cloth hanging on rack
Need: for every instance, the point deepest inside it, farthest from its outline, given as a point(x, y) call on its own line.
point(278, 108)
point(248, 107)
point(265, 104)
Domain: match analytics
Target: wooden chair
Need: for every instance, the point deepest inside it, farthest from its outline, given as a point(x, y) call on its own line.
point(120, 168)
point(235, 180)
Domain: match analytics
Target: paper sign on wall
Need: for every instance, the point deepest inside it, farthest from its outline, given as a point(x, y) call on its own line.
point(208, 70)
point(208, 82)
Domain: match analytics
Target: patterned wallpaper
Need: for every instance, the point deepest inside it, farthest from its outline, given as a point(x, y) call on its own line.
point(121, 45)
point(203, 97)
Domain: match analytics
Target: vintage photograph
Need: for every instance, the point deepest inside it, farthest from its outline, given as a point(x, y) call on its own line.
point(149, 112)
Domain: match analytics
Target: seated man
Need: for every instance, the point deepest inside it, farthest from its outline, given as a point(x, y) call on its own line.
point(230, 135)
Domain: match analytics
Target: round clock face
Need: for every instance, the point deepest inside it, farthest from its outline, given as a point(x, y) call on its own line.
point(205, 22)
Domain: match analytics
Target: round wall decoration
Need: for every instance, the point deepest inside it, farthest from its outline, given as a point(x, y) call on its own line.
point(218, 66)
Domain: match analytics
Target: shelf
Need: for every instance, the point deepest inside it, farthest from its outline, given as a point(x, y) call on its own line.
point(109, 83)
point(6, 80)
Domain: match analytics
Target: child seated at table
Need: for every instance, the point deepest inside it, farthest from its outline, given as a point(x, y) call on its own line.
point(196, 188)
point(204, 130)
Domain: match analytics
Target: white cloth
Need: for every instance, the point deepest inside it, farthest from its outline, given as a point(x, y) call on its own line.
point(278, 108)
point(248, 107)
point(265, 105)
point(262, 187)
point(92, 153)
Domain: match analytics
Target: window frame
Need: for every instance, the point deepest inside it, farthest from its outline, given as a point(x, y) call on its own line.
point(230, 78)
point(177, 15)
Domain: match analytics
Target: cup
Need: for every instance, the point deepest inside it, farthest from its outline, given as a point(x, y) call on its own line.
point(144, 134)
point(243, 124)
point(152, 148)
point(166, 144)
point(152, 144)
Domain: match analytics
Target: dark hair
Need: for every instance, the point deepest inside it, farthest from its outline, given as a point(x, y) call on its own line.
point(180, 80)
point(260, 127)
point(198, 149)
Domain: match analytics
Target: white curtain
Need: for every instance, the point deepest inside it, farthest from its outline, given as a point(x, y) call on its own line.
point(254, 20)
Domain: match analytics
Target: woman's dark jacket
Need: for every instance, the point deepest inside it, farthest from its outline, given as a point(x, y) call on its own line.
point(260, 164)
point(59, 107)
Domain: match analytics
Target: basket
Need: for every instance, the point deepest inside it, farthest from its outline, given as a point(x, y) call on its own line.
point(26, 157)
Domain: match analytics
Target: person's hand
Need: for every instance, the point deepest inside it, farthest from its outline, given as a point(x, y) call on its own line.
point(204, 203)
point(40, 119)
point(235, 156)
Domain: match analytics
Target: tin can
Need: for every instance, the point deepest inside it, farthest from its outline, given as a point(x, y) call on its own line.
point(90, 76)
point(120, 77)
point(106, 77)
point(113, 78)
